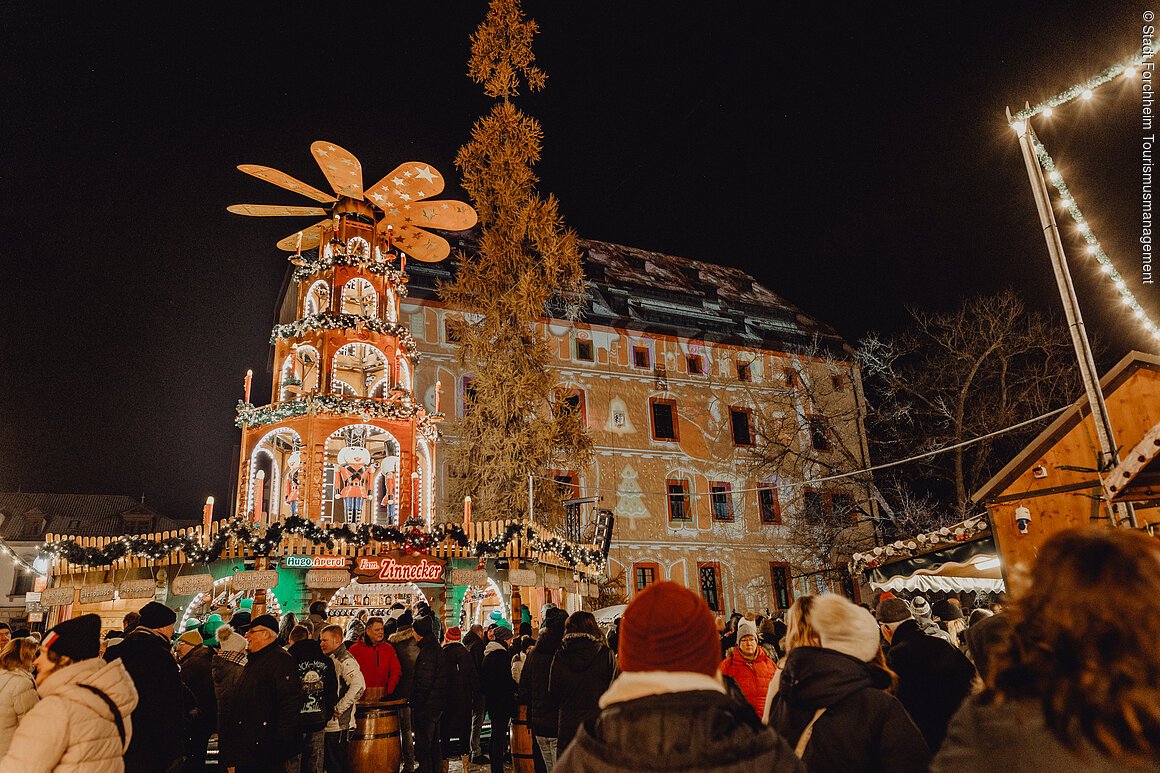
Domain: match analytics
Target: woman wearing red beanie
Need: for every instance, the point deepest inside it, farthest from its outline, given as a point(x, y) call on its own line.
point(668, 709)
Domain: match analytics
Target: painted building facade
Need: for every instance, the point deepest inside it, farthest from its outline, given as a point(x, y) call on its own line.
point(679, 368)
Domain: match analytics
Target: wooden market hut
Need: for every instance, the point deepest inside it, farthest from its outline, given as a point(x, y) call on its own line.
point(1056, 476)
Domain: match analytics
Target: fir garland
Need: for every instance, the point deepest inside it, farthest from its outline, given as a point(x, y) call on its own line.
point(410, 538)
point(329, 321)
point(365, 408)
point(312, 263)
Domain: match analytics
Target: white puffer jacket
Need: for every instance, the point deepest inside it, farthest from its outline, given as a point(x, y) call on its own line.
point(71, 729)
point(17, 697)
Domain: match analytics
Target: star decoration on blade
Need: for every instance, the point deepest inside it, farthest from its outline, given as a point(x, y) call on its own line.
point(409, 181)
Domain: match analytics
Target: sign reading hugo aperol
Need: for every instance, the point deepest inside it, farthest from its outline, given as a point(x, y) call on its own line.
point(315, 562)
point(399, 567)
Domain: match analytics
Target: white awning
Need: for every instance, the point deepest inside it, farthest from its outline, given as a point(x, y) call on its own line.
point(980, 573)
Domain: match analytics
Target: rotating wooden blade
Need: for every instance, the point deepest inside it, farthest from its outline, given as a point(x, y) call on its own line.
point(421, 245)
point(283, 180)
point(273, 210)
point(409, 182)
point(446, 215)
point(311, 236)
point(342, 169)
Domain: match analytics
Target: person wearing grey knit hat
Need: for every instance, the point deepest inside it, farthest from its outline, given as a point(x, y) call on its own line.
point(893, 610)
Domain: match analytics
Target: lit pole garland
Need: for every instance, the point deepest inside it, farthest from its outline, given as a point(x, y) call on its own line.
point(1037, 161)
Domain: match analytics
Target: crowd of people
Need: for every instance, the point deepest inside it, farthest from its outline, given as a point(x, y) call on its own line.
point(1065, 678)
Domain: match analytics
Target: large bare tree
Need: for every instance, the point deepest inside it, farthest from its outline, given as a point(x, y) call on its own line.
point(960, 375)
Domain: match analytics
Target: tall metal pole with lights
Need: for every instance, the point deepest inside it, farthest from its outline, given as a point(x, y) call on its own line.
point(1087, 367)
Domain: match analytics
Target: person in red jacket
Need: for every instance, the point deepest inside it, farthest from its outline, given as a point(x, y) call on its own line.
point(377, 660)
point(749, 666)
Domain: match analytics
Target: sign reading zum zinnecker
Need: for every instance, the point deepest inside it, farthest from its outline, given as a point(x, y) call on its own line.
point(399, 567)
point(315, 562)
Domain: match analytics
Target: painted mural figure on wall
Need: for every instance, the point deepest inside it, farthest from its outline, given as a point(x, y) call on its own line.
point(353, 475)
point(293, 481)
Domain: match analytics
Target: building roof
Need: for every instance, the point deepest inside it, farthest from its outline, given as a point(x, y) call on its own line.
point(639, 290)
point(1064, 423)
point(87, 515)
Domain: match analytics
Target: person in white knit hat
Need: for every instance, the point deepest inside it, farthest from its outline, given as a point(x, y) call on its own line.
point(833, 699)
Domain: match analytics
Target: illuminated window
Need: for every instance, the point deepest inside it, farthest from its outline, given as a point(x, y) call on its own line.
point(644, 574)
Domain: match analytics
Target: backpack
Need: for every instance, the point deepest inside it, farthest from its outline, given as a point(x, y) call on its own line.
point(317, 705)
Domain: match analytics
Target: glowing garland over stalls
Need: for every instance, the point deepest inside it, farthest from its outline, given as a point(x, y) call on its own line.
point(330, 321)
point(904, 548)
point(412, 539)
point(250, 415)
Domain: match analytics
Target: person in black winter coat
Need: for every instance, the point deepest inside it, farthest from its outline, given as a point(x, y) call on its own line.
point(474, 642)
point(159, 721)
point(196, 663)
point(933, 676)
point(543, 708)
point(319, 683)
point(583, 668)
point(499, 694)
point(428, 696)
point(463, 693)
point(269, 702)
point(832, 701)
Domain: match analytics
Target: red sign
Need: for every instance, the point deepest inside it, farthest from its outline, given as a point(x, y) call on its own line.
point(399, 567)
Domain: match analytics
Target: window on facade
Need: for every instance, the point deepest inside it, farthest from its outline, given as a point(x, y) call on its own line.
point(791, 377)
point(819, 433)
point(710, 577)
point(584, 350)
point(782, 589)
point(768, 506)
point(640, 357)
point(844, 505)
point(739, 419)
point(23, 582)
point(574, 401)
point(452, 330)
point(696, 364)
point(678, 493)
point(838, 382)
point(468, 393)
point(567, 484)
point(744, 371)
point(664, 419)
point(644, 575)
point(815, 505)
point(721, 495)
point(138, 524)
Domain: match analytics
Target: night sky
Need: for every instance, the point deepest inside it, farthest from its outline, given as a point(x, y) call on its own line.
point(855, 160)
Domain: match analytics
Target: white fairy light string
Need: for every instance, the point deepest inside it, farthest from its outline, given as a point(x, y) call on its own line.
point(1084, 91)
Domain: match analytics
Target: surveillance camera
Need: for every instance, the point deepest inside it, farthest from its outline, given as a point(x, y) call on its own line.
point(1022, 519)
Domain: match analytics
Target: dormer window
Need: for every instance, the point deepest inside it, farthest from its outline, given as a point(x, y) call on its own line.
point(138, 523)
point(33, 524)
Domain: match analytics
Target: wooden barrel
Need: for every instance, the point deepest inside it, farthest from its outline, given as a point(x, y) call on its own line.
point(375, 746)
point(523, 757)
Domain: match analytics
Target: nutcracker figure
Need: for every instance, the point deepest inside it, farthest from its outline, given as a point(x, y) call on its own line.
point(293, 483)
point(352, 479)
